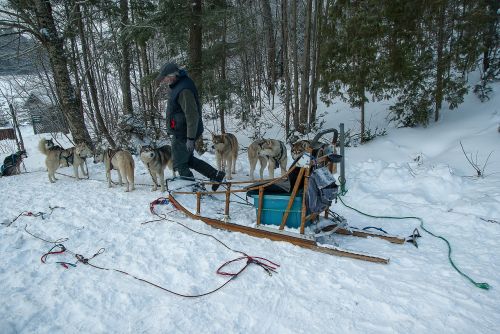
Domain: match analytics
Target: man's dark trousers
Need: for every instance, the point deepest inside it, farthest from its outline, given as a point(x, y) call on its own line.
point(183, 161)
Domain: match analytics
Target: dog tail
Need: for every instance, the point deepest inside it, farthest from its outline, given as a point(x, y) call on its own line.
point(42, 147)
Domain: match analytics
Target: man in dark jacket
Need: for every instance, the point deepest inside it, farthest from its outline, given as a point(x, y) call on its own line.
point(185, 124)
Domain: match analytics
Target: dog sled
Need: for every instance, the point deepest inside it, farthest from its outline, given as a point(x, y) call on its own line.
point(294, 207)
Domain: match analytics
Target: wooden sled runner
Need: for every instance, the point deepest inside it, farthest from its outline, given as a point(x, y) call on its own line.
point(298, 177)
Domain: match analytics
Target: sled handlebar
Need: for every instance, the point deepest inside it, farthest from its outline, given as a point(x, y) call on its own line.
point(321, 133)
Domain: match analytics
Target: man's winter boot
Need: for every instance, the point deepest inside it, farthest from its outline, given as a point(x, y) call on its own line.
point(218, 178)
point(198, 187)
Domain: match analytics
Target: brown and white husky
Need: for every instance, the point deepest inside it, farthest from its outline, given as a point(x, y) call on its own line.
point(57, 157)
point(120, 160)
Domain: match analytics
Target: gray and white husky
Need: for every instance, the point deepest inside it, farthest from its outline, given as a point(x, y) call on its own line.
point(269, 152)
point(226, 152)
point(156, 160)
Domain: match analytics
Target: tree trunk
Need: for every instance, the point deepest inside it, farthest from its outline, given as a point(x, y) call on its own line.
point(306, 68)
point(493, 7)
point(82, 87)
point(20, 141)
point(295, 63)
point(195, 36)
point(286, 65)
point(271, 45)
point(440, 66)
point(362, 92)
point(124, 46)
point(315, 63)
point(362, 134)
point(140, 91)
point(90, 78)
point(69, 103)
point(150, 105)
point(223, 95)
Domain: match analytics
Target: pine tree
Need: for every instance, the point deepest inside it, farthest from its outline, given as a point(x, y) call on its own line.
point(440, 46)
point(351, 64)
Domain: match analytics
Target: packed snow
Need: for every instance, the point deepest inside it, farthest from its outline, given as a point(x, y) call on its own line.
point(418, 172)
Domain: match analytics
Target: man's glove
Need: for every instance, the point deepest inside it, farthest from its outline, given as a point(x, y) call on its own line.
point(190, 145)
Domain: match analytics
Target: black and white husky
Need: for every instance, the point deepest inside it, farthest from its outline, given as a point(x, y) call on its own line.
point(12, 164)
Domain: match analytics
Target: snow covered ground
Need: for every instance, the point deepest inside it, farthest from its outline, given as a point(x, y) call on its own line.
point(410, 172)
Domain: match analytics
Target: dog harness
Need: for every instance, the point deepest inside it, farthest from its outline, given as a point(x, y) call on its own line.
point(278, 158)
point(111, 154)
point(69, 159)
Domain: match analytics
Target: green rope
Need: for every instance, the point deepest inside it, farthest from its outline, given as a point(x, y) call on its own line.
point(484, 286)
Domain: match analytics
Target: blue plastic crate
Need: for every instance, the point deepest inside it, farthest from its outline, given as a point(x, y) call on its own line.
point(274, 206)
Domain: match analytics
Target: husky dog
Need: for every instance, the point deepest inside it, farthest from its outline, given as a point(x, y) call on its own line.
point(12, 164)
point(266, 151)
point(226, 152)
point(57, 157)
point(156, 160)
point(75, 156)
point(122, 162)
point(52, 152)
point(254, 156)
point(299, 147)
point(46, 144)
point(52, 159)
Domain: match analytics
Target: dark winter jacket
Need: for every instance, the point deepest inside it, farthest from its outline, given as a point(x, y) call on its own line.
point(184, 110)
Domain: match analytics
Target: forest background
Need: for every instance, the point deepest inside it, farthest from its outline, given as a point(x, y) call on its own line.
point(96, 60)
